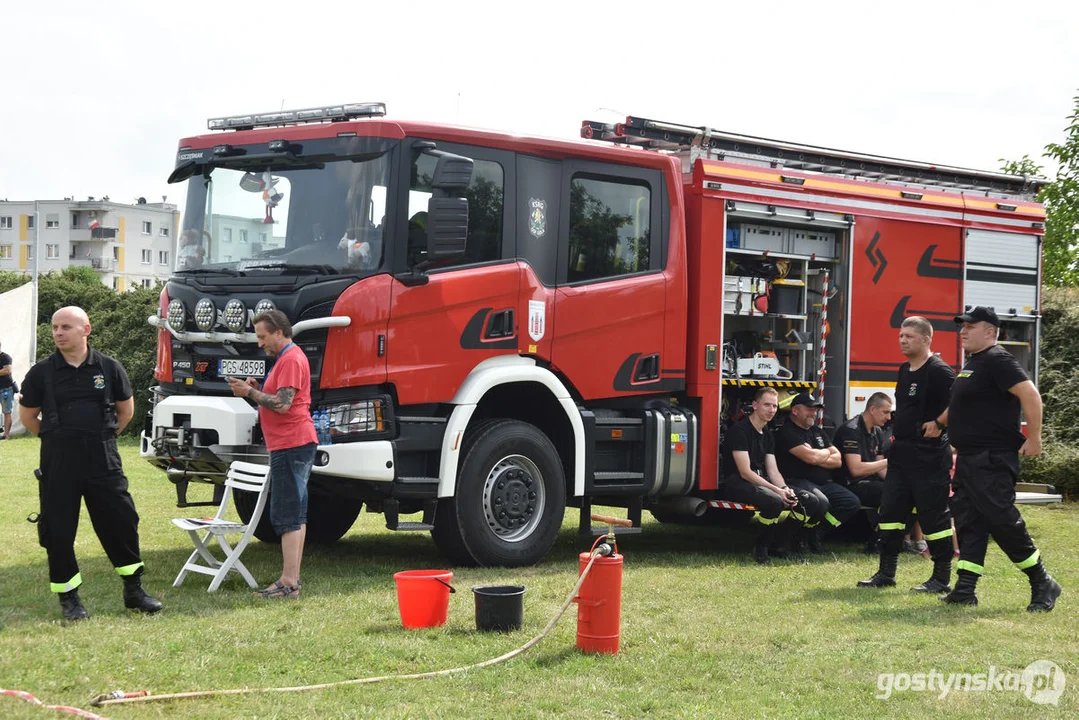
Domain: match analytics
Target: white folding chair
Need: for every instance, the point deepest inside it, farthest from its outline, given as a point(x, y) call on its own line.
point(241, 476)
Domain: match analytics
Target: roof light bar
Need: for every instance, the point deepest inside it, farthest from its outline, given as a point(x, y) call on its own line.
point(330, 113)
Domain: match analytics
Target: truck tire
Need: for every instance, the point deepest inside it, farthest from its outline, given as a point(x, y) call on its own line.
point(510, 500)
point(245, 508)
point(329, 518)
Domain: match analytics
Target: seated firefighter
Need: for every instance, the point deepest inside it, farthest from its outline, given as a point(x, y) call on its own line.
point(861, 440)
point(810, 462)
point(750, 476)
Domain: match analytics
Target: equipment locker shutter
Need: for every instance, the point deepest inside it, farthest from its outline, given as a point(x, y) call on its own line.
point(1001, 271)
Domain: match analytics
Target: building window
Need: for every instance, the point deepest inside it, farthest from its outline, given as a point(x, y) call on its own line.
point(29, 222)
point(74, 221)
point(163, 257)
point(29, 252)
point(5, 252)
point(52, 220)
point(5, 222)
point(147, 257)
point(243, 236)
point(116, 253)
point(163, 232)
point(228, 235)
point(147, 228)
point(146, 282)
point(52, 252)
point(262, 238)
point(115, 283)
point(608, 228)
point(74, 251)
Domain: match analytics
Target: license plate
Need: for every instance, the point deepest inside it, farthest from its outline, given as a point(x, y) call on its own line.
point(241, 368)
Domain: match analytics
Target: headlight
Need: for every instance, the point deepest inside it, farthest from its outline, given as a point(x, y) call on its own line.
point(235, 315)
point(265, 305)
point(205, 314)
point(177, 315)
point(356, 418)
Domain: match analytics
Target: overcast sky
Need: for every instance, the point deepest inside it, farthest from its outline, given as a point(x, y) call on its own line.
point(96, 95)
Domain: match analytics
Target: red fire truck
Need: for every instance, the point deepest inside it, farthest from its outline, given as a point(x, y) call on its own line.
point(501, 326)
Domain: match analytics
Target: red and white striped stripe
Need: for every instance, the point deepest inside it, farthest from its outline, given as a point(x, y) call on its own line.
point(727, 505)
point(822, 369)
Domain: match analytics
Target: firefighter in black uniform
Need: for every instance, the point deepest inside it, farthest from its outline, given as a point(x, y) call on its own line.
point(919, 461)
point(983, 421)
point(809, 461)
point(78, 401)
point(751, 476)
point(861, 440)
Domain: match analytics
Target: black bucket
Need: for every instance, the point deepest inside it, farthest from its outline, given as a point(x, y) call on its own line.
point(499, 607)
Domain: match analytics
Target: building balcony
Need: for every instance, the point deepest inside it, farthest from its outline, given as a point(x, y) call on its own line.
point(86, 234)
point(104, 265)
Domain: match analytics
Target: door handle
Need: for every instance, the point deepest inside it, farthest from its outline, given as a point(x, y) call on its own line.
point(647, 368)
point(499, 325)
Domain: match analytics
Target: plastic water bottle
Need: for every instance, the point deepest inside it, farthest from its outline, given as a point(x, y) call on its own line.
point(316, 420)
point(324, 428)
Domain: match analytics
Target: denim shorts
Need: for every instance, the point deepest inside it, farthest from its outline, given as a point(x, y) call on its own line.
point(289, 471)
point(7, 398)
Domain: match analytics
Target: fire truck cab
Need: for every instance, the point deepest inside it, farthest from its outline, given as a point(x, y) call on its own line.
point(499, 327)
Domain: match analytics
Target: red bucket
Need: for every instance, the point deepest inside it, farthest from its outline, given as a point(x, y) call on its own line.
point(423, 597)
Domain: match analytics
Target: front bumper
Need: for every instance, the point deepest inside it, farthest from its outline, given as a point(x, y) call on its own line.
point(195, 437)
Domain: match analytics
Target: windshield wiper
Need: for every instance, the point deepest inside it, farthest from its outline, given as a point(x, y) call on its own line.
point(210, 271)
point(317, 269)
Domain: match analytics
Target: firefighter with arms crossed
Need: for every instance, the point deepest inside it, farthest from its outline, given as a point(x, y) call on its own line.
point(983, 423)
point(809, 461)
point(919, 461)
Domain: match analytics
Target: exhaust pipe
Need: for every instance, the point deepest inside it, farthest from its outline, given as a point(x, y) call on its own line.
point(685, 505)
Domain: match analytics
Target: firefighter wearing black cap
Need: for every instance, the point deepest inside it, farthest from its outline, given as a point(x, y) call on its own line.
point(983, 422)
point(78, 401)
point(809, 461)
point(919, 460)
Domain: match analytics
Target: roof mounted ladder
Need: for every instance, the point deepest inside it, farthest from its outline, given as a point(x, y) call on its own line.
point(718, 145)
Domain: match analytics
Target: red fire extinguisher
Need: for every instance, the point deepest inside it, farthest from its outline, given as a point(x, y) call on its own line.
point(599, 601)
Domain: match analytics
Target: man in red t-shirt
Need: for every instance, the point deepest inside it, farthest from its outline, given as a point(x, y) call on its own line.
point(284, 414)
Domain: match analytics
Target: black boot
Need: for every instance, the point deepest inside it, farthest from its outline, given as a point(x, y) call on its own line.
point(964, 589)
point(135, 598)
point(783, 539)
point(885, 576)
point(942, 569)
point(764, 540)
point(814, 541)
point(71, 606)
point(1044, 590)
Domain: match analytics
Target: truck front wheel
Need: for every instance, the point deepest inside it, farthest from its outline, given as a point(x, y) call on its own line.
point(511, 497)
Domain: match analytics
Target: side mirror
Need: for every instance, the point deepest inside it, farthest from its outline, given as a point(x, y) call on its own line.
point(452, 172)
point(447, 227)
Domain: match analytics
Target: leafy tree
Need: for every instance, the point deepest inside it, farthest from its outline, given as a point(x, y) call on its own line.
point(9, 280)
point(1061, 198)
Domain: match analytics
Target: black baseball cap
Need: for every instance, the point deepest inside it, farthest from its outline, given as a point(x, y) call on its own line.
point(807, 400)
point(978, 314)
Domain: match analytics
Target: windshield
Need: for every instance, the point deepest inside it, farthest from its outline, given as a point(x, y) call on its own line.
point(326, 219)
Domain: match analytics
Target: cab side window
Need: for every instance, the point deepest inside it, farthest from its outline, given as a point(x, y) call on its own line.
point(609, 228)
point(485, 207)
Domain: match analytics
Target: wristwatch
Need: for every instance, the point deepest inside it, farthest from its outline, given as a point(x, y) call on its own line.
point(939, 426)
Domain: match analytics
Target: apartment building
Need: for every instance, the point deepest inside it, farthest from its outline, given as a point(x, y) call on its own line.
point(127, 245)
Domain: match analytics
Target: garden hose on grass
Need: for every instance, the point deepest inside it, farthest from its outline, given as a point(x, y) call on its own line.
point(119, 697)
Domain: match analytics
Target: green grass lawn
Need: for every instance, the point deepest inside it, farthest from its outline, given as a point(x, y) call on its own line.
point(705, 632)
